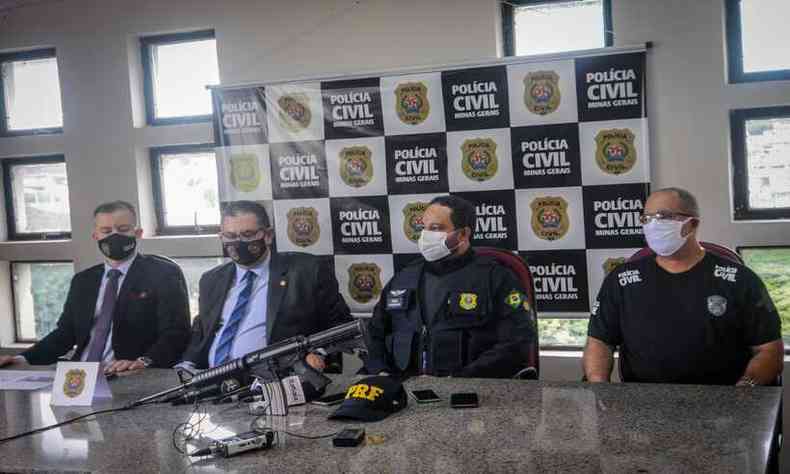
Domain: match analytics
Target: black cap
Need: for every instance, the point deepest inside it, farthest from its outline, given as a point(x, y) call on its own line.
point(372, 399)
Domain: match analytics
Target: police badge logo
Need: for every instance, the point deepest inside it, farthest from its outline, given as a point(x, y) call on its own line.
point(542, 92)
point(303, 227)
point(245, 173)
point(612, 263)
point(717, 305)
point(478, 159)
point(615, 152)
point(411, 102)
point(74, 383)
point(549, 217)
point(467, 301)
point(364, 281)
point(356, 167)
point(412, 220)
point(294, 111)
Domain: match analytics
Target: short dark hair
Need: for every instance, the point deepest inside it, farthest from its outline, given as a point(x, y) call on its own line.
point(112, 206)
point(463, 212)
point(247, 207)
point(687, 200)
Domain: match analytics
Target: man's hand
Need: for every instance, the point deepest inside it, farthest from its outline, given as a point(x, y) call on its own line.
point(123, 366)
point(315, 361)
point(766, 363)
point(6, 360)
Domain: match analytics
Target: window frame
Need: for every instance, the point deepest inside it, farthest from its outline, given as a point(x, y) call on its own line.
point(14, 312)
point(508, 22)
point(13, 235)
point(157, 186)
point(146, 44)
point(739, 250)
point(739, 163)
point(44, 53)
point(734, 36)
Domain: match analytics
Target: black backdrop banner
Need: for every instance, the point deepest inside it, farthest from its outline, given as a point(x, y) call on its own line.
point(553, 153)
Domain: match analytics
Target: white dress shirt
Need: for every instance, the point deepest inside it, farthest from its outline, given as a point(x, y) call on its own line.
point(251, 333)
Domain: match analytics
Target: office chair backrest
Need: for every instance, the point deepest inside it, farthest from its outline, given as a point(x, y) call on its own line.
point(518, 266)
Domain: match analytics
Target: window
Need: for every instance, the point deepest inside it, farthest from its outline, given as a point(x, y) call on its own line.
point(562, 333)
point(186, 189)
point(37, 198)
point(758, 40)
point(30, 91)
point(177, 69)
point(772, 265)
point(554, 26)
point(40, 290)
point(761, 163)
point(194, 268)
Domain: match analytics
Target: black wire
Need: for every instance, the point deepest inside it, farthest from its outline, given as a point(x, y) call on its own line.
point(188, 429)
point(311, 437)
point(69, 421)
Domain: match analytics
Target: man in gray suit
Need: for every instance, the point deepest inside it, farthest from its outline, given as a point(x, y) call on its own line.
point(260, 297)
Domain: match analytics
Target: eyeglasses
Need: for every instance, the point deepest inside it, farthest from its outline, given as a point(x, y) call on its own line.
point(645, 219)
point(244, 236)
point(121, 229)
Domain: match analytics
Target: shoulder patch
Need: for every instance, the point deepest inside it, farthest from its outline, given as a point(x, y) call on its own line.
point(515, 299)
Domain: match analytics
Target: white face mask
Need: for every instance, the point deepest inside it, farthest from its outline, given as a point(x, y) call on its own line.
point(433, 245)
point(664, 236)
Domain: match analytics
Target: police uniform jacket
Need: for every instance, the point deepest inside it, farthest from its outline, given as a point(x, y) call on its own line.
point(473, 320)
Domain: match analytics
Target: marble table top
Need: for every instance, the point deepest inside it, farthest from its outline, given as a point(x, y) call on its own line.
point(520, 426)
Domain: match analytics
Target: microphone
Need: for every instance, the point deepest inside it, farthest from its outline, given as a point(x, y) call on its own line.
point(345, 337)
point(239, 395)
point(191, 396)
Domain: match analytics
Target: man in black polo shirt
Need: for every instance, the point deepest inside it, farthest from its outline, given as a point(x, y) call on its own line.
point(683, 315)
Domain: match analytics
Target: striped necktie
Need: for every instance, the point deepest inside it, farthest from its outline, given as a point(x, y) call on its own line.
point(222, 353)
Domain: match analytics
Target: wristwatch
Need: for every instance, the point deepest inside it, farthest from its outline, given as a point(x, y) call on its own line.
point(147, 361)
point(747, 381)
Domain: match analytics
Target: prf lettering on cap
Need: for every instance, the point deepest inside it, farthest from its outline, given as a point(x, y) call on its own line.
point(368, 392)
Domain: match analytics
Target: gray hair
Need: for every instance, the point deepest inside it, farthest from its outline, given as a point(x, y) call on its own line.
point(112, 206)
point(687, 200)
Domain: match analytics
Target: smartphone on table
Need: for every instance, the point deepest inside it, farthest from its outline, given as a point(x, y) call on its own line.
point(328, 400)
point(425, 396)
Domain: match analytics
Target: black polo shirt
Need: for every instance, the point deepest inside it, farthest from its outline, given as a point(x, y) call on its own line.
point(691, 327)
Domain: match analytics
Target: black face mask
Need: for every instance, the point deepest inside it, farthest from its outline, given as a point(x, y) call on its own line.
point(117, 246)
point(245, 253)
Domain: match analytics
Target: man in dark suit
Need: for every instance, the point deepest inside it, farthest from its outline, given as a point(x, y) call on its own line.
point(129, 313)
point(261, 297)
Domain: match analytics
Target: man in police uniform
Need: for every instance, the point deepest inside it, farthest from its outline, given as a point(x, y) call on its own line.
point(452, 312)
point(684, 315)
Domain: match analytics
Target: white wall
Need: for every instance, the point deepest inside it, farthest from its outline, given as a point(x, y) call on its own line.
point(105, 142)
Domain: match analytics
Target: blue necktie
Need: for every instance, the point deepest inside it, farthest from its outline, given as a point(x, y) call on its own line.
point(222, 353)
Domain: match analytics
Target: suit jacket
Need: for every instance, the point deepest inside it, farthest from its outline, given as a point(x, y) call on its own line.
point(303, 299)
point(151, 315)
